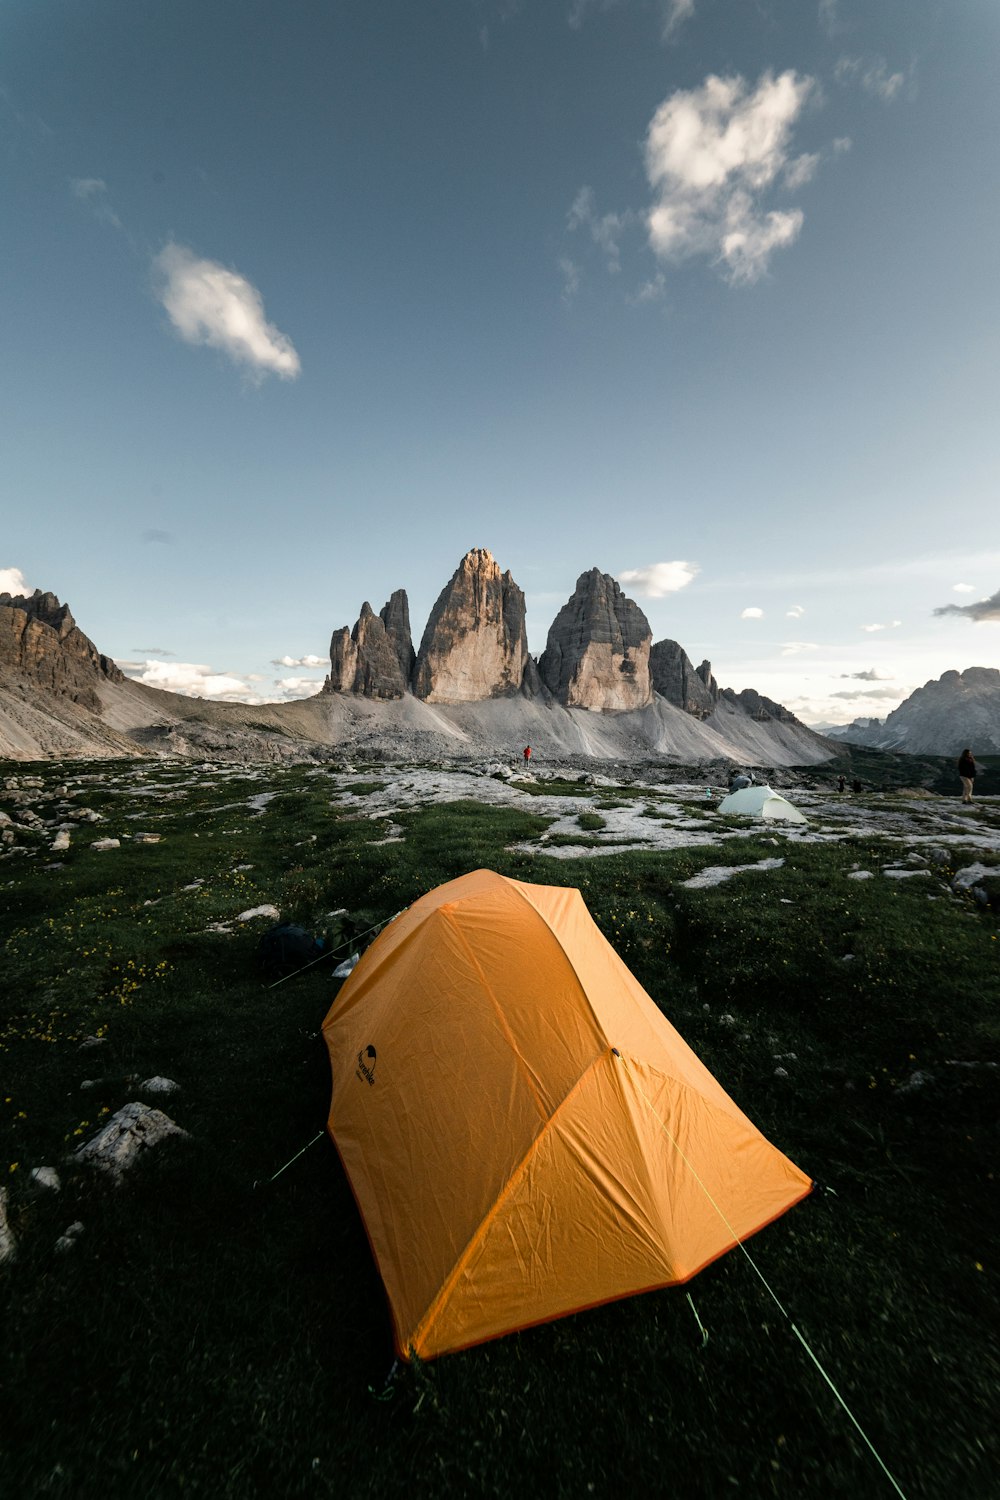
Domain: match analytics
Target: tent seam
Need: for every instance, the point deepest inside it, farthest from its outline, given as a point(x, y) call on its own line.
point(436, 1307)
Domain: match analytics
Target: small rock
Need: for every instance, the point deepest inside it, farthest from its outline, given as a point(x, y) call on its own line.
point(342, 970)
point(970, 875)
point(68, 1240)
point(847, 958)
point(860, 875)
point(8, 1248)
point(906, 874)
point(46, 1178)
point(727, 1020)
point(271, 912)
point(145, 838)
point(915, 1082)
point(60, 842)
point(158, 1085)
point(103, 844)
point(781, 1073)
point(92, 1041)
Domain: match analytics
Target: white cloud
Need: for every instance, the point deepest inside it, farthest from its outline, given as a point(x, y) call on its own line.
point(797, 648)
point(658, 579)
point(963, 588)
point(192, 679)
point(872, 675)
point(12, 581)
point(210, 304)
point(795, 613)
point(842, 143)
point(710, 153)
point(675, 13)
point(872, 74)
point(301, 661)
point(893, 625)
point(297, 687)
point(752, 613)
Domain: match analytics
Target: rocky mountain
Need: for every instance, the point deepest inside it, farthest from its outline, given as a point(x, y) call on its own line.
point(40, 640)
point(956, 710)
point(601, 690)
point(597, 653)
point(675, 678)
point(475, 645)
point(366, 660)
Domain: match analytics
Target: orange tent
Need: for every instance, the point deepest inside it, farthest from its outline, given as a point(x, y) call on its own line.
point(525, 1133)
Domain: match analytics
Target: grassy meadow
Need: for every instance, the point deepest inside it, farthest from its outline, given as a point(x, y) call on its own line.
point(213, 1333)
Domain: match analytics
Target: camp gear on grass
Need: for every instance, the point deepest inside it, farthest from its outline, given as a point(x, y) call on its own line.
point(525, 1133)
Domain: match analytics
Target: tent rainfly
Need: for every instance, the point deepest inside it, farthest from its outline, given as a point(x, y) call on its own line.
point(525, 1133)
point(761, 802)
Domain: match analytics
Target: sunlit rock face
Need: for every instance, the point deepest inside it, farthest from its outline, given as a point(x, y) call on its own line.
point(39, 637)
point(597, 653)
point(475, 645)
point(366, 660)
point(675, 678)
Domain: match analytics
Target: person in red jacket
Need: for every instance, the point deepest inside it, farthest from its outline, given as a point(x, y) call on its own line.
point(527, 754)
point(967, 769)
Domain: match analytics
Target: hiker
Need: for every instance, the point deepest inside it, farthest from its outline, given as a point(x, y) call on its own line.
point(840, 783)
point(527, 754)
point(856, 786)
point(738, 780)
point(967, 769)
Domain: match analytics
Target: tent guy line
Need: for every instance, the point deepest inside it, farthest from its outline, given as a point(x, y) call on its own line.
point(770, 1290)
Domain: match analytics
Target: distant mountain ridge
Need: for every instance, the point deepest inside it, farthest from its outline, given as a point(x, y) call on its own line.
point(600, 689)
point(956, 710)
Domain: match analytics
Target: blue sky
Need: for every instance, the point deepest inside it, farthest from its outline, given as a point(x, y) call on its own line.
point(300, 302)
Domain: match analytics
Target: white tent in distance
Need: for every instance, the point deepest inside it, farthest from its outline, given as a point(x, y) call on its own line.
point(761, 802)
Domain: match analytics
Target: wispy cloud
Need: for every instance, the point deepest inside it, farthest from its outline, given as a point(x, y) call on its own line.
point(154, 536)
point(873, 75)
point(606, 230)
point(152, 651)
point(12, 581)
point(711, 153)
point(752, 613)
point(963, 588)
point(301, 661)
point(94, 192)
point(984, 611)
point(656, 580)
point(859, 693)
point(798, 648)
point(673, 13)
point(872, 675)
point(570, 272)
point(210, 304)
point(296, 687)
point(795, 613)
point(893, 625)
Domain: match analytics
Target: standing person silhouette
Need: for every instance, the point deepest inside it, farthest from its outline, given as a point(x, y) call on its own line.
point(527, 754)
point(967, 769)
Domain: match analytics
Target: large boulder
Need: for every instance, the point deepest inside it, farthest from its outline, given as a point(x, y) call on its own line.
point(597, 653)
point(475, 645)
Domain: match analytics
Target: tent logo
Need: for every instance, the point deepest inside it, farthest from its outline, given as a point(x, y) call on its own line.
point(366, 1065)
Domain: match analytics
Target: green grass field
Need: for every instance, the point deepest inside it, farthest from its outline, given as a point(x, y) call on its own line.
point(212, 1333)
